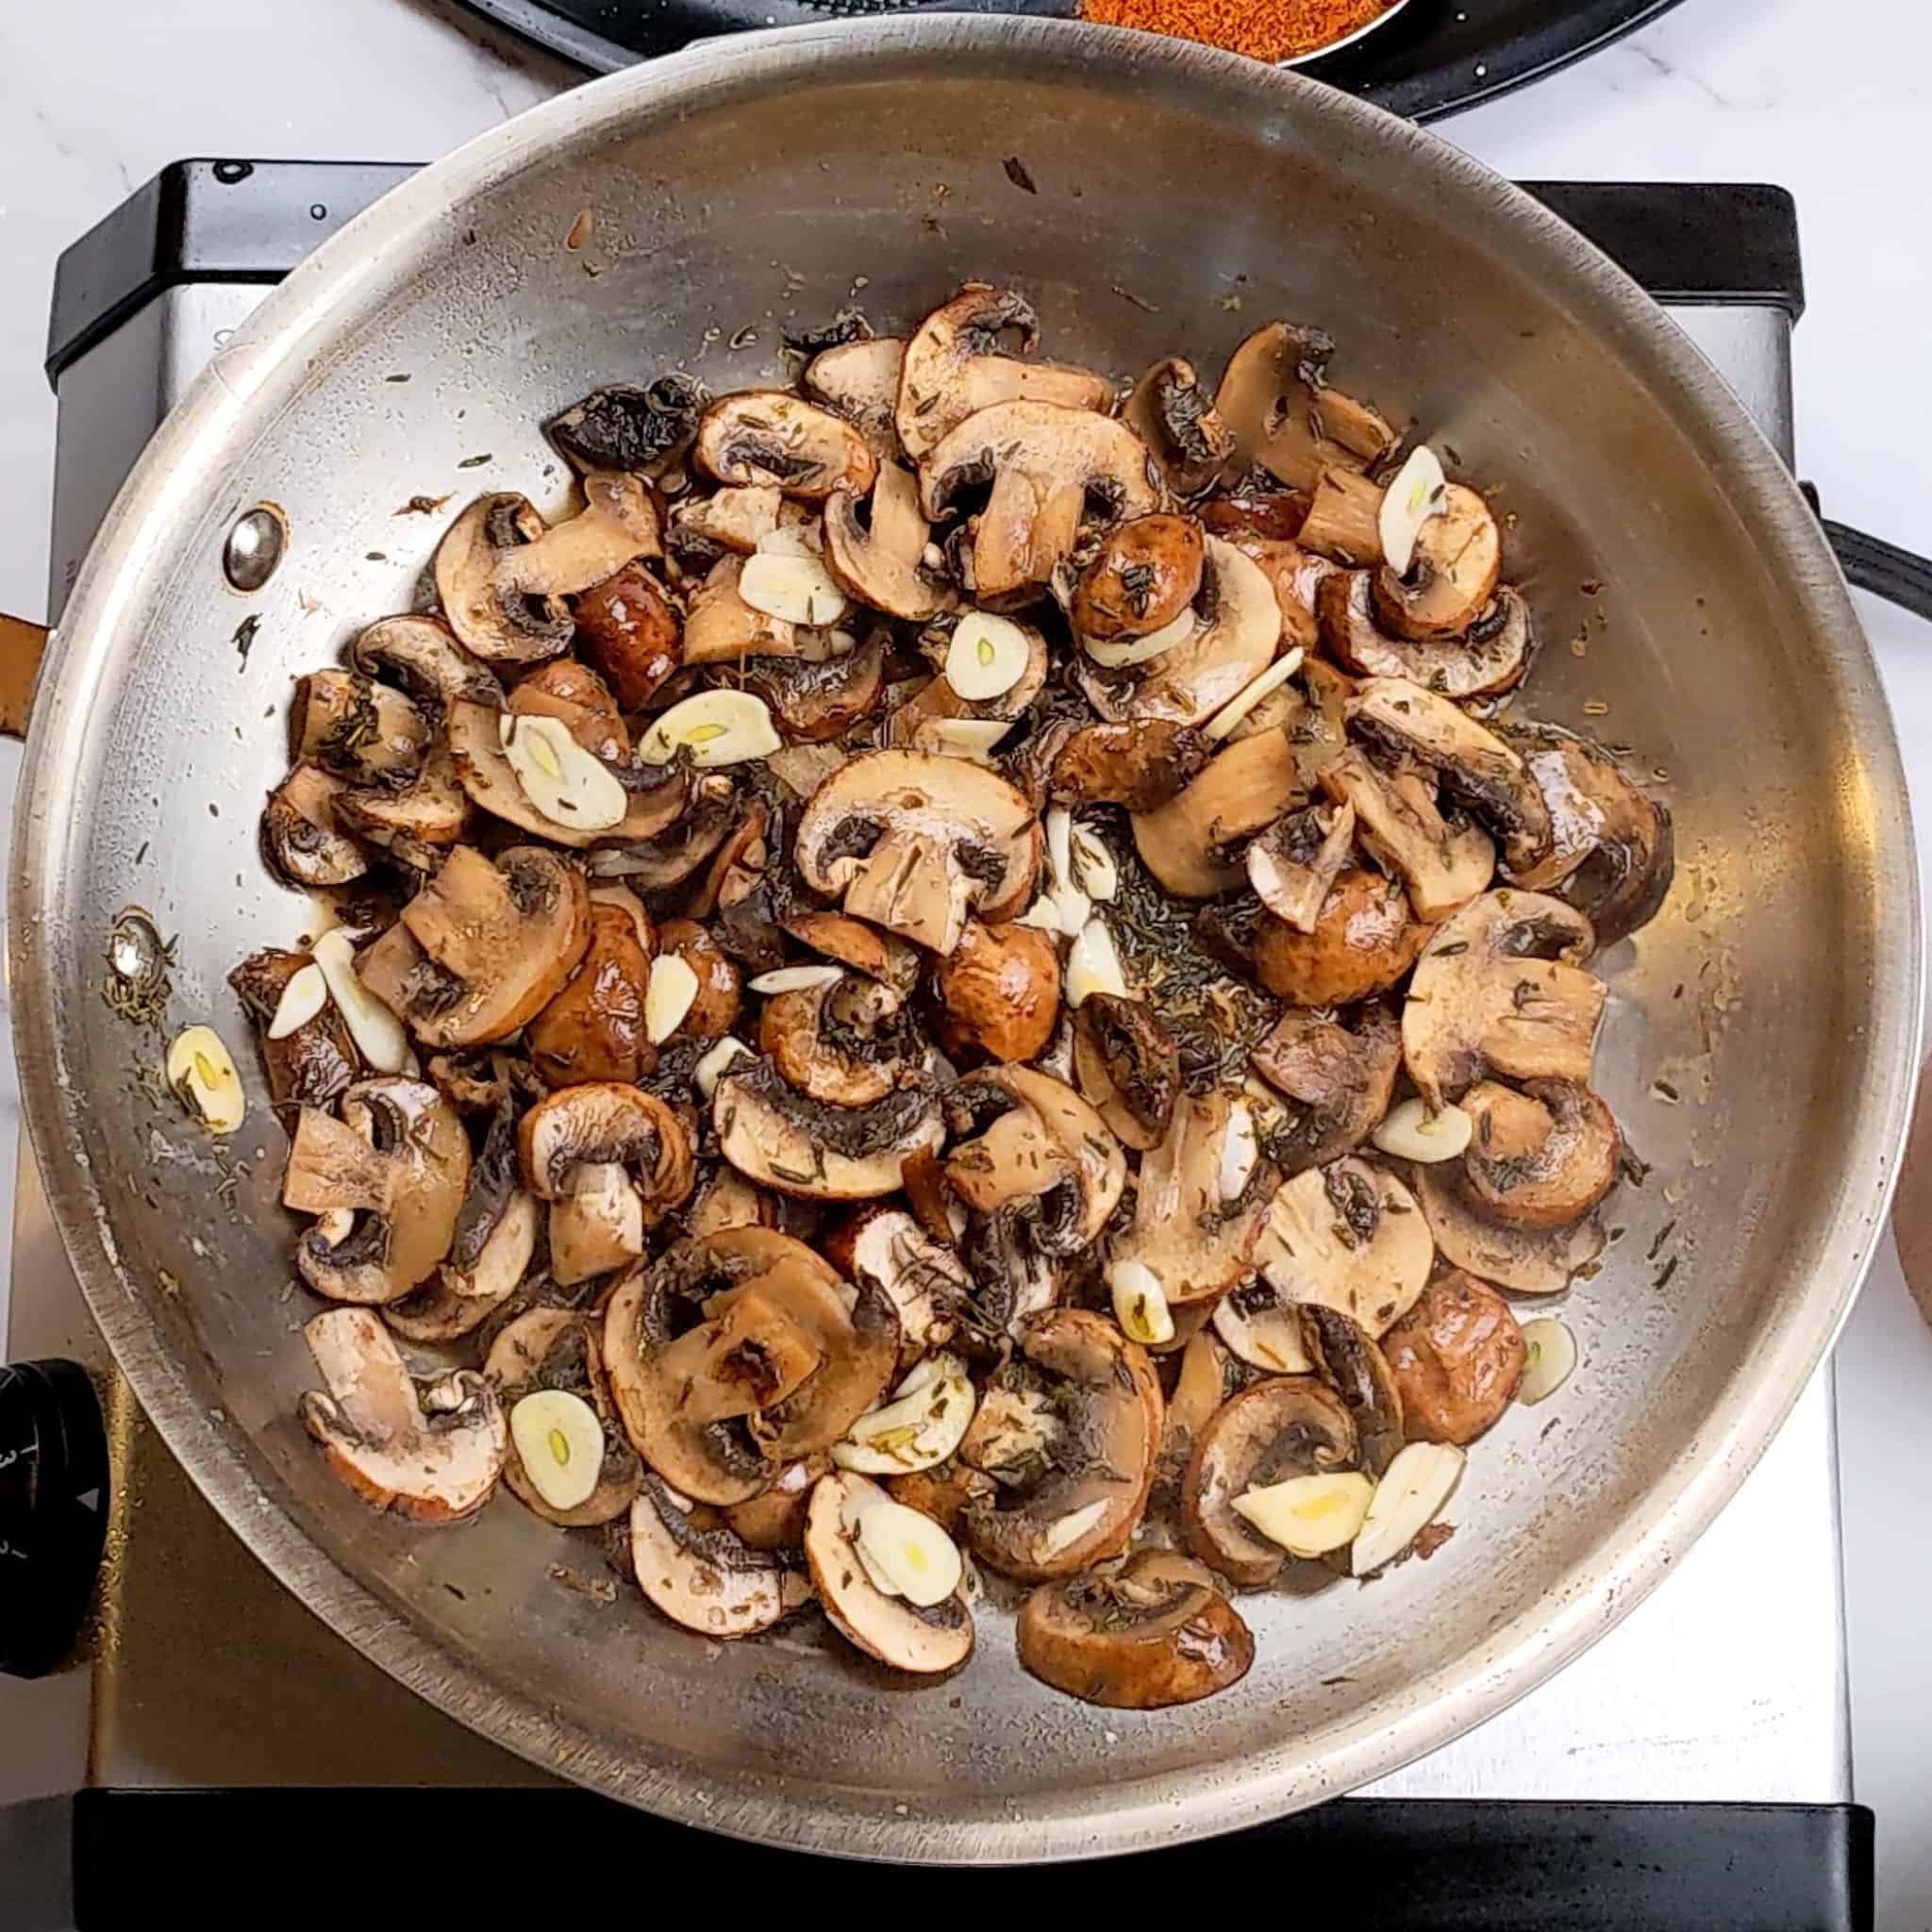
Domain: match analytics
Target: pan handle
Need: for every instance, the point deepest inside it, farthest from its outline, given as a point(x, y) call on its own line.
point(1883, 568)
point(21, 645)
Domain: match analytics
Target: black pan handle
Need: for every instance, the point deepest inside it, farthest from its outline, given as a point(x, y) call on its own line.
point(1885, 569)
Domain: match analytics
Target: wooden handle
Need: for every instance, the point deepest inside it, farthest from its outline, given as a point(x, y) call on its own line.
point(1911, 1211)
point(21, 644)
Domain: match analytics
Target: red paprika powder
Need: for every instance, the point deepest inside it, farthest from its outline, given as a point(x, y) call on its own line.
point(1263, 30)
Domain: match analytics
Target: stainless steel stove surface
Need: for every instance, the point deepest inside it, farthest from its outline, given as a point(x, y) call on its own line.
point(1728, 1685)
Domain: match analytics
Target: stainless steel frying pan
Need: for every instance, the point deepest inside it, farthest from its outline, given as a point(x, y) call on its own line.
point(1180, 198)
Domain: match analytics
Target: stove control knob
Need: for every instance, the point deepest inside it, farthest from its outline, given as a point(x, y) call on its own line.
point(53, 1511)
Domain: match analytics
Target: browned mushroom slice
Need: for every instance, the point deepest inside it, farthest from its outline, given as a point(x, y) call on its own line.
point(428, 814)
point(1443, 861)
point(1286, 1426)
point(1350, 1362)
point(1140, 765)
point(1276, 400)
point(1191, 844)
point(890, 961)
point(1347, 1237)
point(816, 696)
point(1453, 576)
point(1491, 658)
point(953, 368)
point(1209, 1374)
point(1524, 1260)
point(1500, 989)
point(1020, 1136)
point(300, 834)
point(699, 1571)
point(1147, 574)
point(1128, 1065)
point(431, 1452)
point(721, 628)
point(858, 1354)
point(1457, 1357)
point(360, 730)
point(772, 437)
point(1258, 1326)
point(1296, 573)
point(925, 1640)
point(1175, 416)
point(559, 1349)
point(626, 426)
point(1045, 465)
point(628, 633)
point(778, 1138)
point(386, 1181)
point(657, 860)
point(1157, 1635)
point(310, 1065)
point(997, 994)
point(593, 1027)
point(737, 519)
point(914, 842)
point(1472, 765)
point(489, 1257)
point(886, 1248)
point(612, 1160)
point(1077, 1503)
point(1201, 1201)
point(861, 380)
point(1340, 1077)
point(578, 699)
point(1365, 939)
point(422, 657)
point(881, 558)
point(1293, 863)
point(1541, 1159)
point(775, 1521)
point(838, 1042)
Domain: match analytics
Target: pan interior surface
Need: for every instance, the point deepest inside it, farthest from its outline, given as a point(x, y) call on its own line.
point(1167, 200)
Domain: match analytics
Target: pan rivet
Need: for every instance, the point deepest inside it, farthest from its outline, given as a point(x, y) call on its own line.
point(255, 547)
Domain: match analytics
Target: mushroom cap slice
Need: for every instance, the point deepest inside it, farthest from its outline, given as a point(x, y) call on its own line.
point(1541, 1159)
point(422, 656)
point(834, 1044)
point(483, 947)
point(300, 833)
point(1458, 555)
point(702, 1574)
point(1147, 572)
point(1129, 1066)
point(1489, 659)
point(1474, 765)
point(1141, 764)
point(1188, 844)
point(913, 841)
point(775, 1521)
point(924, 1642)
point(1347, 1237)
point(629, 426)
point(1201, 1201)
point(316, 1063)
point(1351, 1363)
point(560, 1348)
point(780, 1138)
point(593, 1028)
point(668, 857)
point(1365, 938)
point(500, 629)
point(861, 380)
point(1457, 1357)
point(1443, 862)
point(1157, 1634)
point(1285, 1426)
point(880, 956)
point(775, 437)
point(1236, 634)
point(608, 1123)
point(1175, 416)
point(1044, 463)
point(997, 996)
point(628, 633)
point(432, 811)
point(1499, 990)
point(923, 1277)
point(1340, 1077)
point(882, 561)
point(1293, 864)
point(1524, 1260)
point(1083, 1505)
point(1033, 1138)
point(432, 1453)
point(952, 368)
point(1275, 401)
point(357, 729)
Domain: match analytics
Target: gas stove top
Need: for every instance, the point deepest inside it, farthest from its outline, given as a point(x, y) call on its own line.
point(1723, 1695)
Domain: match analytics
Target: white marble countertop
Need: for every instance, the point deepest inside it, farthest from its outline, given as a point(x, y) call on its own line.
point(101, 95)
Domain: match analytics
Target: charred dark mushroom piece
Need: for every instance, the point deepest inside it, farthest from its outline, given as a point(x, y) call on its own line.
point(626, 426)
point(1126, 1064)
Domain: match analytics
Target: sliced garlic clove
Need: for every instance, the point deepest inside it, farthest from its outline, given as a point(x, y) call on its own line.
point(1310, 1515)
point(717, 727)
point(1064, 1534)
point(795, 978)
point(1550, 1362)
point(794, 589)
point(376, 1031)
point(907, 1553)
point(1411, 1132)
point(559, 776)
point(1416, 495)
point(1094, 871)
point(1044, 914)
point(1139, 1304)
point(1241, 1148)
point(987, 657)
point(717, 1062)
point(668, 997)
point(305, 996)
point(202, 1070)
point(1118, 655)
point(791, 539)
point(1093, 965)
point(960, 737)
point(921, 1426)
point(1251, 694)
point(1059, 845)
point(560, 1443)
point(1413, 1488)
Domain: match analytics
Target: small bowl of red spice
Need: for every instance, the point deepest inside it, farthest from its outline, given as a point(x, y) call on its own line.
point(1286, 32)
